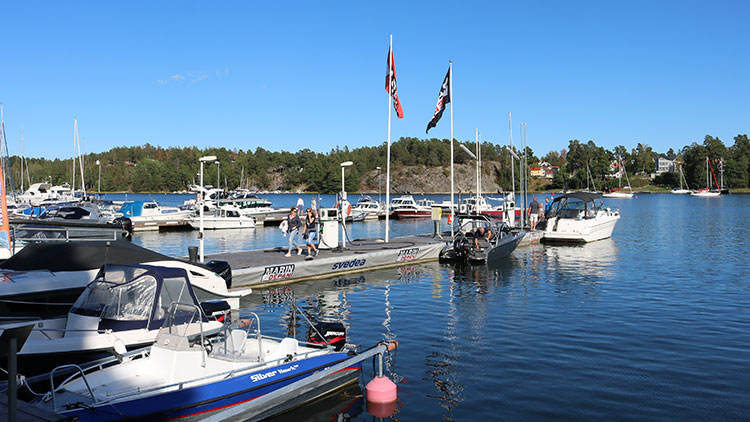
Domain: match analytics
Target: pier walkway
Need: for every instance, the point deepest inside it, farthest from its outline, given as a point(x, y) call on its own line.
point(268, 267)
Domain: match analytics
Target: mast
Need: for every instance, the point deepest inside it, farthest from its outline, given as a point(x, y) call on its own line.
point(476, 141)
point(512, 163)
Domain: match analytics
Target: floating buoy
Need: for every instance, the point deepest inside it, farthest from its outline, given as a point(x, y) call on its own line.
point(381, 390)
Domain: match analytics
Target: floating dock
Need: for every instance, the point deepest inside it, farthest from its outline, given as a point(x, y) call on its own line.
point(268, 267)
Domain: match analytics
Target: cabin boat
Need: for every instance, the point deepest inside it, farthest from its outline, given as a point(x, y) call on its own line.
point(372, 209)
point(44, 279)
point(148, 215)
point(124, 306)
point(224, 217)
point(579, 217)
point(406, 207)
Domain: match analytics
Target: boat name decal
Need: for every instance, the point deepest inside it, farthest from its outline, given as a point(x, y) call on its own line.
point(277, 272)
point(349, 264)
point(270, 374)
point(407, 255)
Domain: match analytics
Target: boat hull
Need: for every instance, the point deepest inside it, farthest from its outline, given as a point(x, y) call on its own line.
point(198, 402)
point(413, 214)
point(579, 231)
point(620, 195)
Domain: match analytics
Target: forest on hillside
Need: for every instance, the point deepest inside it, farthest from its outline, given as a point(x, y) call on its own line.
point(149, 168)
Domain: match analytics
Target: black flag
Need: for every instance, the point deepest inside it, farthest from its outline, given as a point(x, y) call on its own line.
point(443, 99)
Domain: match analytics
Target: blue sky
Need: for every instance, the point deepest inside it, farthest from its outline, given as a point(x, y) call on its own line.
point(286, 75)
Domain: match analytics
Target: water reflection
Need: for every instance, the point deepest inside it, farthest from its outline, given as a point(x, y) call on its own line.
point(341, 406)
point(595, 260)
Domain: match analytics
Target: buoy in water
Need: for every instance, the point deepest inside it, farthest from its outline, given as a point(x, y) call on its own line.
point(381, 390)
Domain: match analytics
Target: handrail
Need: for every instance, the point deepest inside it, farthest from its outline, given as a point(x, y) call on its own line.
point(52, 383)
point(173, 308)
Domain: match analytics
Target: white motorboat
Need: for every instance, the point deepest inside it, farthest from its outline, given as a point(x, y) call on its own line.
point(148, 215)
point(123, 308)
point(371, 208)
point(44, 279)
point(579, 217)
point(406, 207)
point(224, 217)
point(237, 375)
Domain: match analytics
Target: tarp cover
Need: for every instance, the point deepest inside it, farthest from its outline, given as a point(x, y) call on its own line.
point(78, 256)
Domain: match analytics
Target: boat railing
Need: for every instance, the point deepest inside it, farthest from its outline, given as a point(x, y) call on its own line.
point(68, 234)
point(79, 372)
point(70, 330)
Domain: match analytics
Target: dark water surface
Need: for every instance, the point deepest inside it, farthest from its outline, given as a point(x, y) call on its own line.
point(653, 324)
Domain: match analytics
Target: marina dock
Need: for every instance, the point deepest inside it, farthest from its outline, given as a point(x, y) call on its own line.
point(268, 267)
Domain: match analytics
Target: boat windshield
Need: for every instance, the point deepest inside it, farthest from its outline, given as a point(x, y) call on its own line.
point(575, 208)
point(126, 295)
point(182, 328)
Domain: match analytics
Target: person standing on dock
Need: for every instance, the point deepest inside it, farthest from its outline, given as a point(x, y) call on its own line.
point(533, 213)
point(294, 224)
point(300, 205)
point(311, 233)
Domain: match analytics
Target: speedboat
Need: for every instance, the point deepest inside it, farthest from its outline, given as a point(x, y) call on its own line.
point(579, 217)
point(223, 217)
point(148, 215)
point(502, 242)
point(70, 222)
point(372, 209)
point(124, 306)
point(186, 375)
point(406, 207)
point(44, 279)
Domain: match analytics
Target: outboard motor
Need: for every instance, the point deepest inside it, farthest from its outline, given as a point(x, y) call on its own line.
point(126, 223)
point(222, 269)
point(461, 246)
point(334, 334)
point(217, 309)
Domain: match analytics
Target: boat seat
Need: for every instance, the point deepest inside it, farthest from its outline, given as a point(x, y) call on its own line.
point(287, 346)
point(236, 342)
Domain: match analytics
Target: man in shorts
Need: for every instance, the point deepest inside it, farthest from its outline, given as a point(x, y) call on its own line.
point(533, 213)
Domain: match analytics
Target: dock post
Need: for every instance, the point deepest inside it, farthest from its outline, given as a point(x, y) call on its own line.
point(12, 375)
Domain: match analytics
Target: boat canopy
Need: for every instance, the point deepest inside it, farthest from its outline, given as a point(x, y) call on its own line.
point(584, 196)
point(128, 297)
point(79, 256)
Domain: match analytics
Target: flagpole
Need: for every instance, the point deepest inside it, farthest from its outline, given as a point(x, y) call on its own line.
point(450, 93)
point(388, 147)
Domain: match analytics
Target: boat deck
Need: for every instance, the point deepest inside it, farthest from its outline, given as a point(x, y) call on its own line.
point(261, 268)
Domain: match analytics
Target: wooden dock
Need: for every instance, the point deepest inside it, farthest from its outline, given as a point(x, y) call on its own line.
point(269, 267)
point(26, 412)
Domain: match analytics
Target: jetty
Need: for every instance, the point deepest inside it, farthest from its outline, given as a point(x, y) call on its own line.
point(270, 267)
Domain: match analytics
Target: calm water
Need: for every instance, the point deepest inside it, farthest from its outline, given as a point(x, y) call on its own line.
point(653, 324)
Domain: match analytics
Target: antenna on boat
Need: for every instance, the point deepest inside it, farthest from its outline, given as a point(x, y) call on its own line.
point(104, 267)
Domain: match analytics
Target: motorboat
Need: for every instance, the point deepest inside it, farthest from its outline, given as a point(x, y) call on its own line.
point(70, 222)
point(124, 306)
point(184, 374)
point(224, 217)
point(406, 207)
point(372, 209)
point(479, 204)
point(579, 217)
point(44, 279)
point(148, 215)
point(502, 242)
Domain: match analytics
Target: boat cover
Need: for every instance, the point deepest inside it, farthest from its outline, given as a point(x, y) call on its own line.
point(79, 256)
point(584, 196)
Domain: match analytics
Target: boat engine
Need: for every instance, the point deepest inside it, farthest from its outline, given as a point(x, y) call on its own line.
point(334, 334)
point(461, 246)
point(222, 269)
